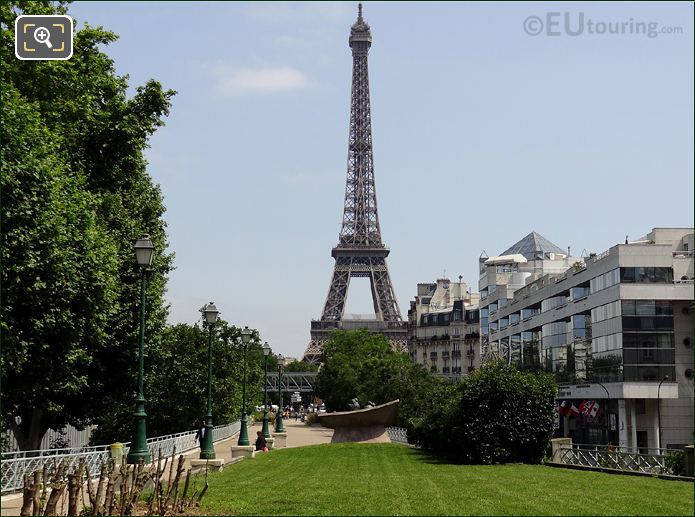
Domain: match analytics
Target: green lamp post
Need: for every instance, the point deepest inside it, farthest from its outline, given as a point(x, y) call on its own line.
point(266, 353)
point(244, 431)
point(207, 449)
point(279, 424)
point(144, 252)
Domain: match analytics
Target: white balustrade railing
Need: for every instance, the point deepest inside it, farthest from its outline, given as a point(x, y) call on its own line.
point(614, 458)
point(397, 434)
point(16, 464)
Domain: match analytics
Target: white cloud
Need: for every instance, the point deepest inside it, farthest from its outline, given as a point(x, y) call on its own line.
point(233, 80)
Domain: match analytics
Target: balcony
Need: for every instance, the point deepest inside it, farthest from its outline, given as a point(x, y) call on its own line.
point(445, 369)
point(471, 369)
point(470, 352)
point(456, 353)
point(445, 354)
point(472, 335)
point(433, 355)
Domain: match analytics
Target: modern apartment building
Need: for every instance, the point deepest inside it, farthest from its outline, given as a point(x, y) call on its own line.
point(443, 328)
point(500, 276)
point(615, 328)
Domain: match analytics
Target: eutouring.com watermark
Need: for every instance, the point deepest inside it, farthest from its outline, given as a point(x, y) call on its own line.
point(578, 24)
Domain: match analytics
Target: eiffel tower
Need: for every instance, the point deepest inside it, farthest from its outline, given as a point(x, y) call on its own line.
point(360, 251)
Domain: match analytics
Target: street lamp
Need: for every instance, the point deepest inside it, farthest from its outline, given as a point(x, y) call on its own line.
point(590, 372)
point(658, 412)
point(279, 424)
point(207, 449)
point(266, 353)
point(144, 252)
point(244, 431)
point(608, 411)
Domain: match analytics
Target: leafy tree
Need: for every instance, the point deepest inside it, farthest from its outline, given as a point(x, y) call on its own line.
point(495, 415)
point(176, 380)
point(361, 364)
point(71, 288)
point(58, 275)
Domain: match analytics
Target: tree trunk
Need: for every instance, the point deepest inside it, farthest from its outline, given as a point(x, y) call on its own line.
point(30, 431)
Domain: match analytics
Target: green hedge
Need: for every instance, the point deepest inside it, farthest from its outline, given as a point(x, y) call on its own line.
point(496, 415)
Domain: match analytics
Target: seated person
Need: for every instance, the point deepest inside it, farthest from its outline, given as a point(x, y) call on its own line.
point(260, 442)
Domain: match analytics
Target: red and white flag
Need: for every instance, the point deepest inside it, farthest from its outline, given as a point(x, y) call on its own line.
point(593, 412)
point(563, 408)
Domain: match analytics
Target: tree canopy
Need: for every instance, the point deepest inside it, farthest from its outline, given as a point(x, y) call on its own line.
point(75, 195)
point(360, 364)
point(495, 415)
point(176, 381)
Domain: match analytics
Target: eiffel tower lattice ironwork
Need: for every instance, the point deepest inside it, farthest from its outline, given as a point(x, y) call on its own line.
point(360, 251)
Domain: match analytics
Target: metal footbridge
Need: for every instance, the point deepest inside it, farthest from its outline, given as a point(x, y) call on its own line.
point(302, 382)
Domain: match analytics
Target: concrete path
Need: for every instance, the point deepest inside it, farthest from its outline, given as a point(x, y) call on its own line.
point(298, 435)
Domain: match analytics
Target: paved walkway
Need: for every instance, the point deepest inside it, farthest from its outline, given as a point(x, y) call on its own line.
point(298, 435)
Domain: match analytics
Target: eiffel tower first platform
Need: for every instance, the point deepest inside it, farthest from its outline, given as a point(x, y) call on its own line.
point(360, 251)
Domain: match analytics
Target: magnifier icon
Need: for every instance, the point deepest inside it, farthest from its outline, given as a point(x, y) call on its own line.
point(42, 35)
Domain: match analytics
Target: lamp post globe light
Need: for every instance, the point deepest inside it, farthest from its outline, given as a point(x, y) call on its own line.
point(266, 353)
point(207, 449)
point(279, 424)
point(144, 252)
point(244, 431)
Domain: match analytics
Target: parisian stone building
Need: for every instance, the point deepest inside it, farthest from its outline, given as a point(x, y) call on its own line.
point(443, 328)
point(615, 328)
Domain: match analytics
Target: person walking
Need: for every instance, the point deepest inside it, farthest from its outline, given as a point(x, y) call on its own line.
point(200, 432)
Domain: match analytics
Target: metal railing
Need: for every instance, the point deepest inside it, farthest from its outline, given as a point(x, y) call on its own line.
point(397, 434)
point(14, 455)
point(16, 464)
point(613, 457)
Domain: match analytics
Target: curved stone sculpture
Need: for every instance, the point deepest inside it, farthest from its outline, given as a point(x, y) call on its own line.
point(362, 425)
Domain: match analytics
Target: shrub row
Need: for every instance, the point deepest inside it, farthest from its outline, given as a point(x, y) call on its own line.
point(495, 415)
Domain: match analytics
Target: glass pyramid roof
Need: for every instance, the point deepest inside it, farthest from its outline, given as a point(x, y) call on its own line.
point(533, 245)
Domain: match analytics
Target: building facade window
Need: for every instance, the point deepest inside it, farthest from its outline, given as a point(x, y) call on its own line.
point(581, 326)
point(648, 340)
point(646, 275)
point(577, 293)
point(554, 334)
point(605, 312)
point(529, 313)
point(550, 303)
point(604, 281)
point(484, 312)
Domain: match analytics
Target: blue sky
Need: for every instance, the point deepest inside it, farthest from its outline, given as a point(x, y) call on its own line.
point(482, 133)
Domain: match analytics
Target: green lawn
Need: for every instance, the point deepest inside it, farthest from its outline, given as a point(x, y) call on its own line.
point(389, 479)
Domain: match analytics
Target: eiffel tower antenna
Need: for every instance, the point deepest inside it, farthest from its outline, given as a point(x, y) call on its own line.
point(360, 251)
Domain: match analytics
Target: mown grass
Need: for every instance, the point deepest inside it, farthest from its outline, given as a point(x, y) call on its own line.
point(389, 479)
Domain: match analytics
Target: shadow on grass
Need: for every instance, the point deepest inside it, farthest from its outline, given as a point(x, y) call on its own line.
point(431, 458)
